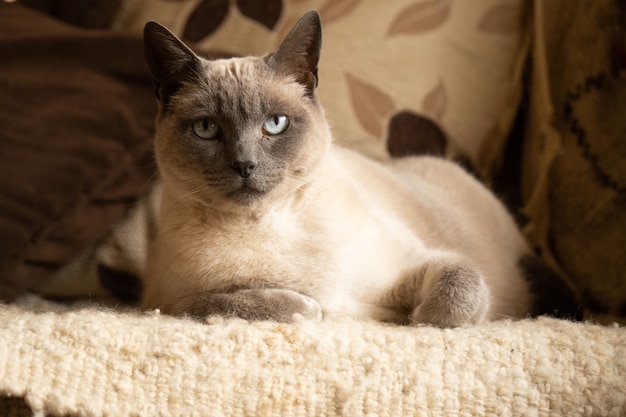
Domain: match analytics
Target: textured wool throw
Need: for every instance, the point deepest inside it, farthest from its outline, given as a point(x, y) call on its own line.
point(90, 361)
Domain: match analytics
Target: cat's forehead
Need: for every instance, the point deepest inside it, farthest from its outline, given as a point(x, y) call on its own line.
point(244, 69)
point(239, 85)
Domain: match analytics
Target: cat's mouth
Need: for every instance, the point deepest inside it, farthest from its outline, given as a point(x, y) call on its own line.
point(246, 193)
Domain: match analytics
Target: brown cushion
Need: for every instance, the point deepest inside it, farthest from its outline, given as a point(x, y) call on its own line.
point(76, 122)
point(574, 175)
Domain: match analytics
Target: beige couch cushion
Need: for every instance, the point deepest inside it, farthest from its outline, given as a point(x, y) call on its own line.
point(387, 69)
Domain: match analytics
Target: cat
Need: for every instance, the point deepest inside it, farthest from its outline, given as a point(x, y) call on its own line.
point(262, 217)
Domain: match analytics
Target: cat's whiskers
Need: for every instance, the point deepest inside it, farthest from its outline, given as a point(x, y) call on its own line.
point(193, 193)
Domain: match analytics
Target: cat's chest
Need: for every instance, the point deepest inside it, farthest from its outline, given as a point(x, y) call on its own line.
point(304, 251)
point(277, 249)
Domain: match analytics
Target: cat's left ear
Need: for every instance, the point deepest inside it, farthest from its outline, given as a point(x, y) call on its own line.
point(299, 53)
point(169, 60)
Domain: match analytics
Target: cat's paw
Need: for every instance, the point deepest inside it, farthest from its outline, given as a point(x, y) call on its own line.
point(293, 306)
point(274, 304)
point(458, 296)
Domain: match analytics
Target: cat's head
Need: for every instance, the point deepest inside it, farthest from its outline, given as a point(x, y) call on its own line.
point(236, 132)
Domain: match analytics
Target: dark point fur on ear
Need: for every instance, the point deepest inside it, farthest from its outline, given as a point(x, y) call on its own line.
point(299, 53)
point(169, 60)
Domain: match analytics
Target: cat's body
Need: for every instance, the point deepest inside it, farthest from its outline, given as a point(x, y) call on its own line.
point(263, 217)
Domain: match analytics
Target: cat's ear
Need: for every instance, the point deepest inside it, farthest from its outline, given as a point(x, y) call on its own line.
point(299, 53)
point(169, 60)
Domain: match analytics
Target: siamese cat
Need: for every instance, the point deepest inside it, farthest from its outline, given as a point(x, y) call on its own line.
point(263, 218)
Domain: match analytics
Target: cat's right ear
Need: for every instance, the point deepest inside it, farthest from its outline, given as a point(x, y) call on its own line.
point(299, 53)
point(169, 60)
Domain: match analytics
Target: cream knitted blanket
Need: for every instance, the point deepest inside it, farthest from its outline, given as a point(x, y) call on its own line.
point(92, 361)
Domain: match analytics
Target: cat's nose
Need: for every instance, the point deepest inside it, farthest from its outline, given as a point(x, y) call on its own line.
point(244, 168)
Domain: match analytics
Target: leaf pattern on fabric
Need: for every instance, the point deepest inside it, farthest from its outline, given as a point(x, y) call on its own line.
point(333, 9)
point(420, 17)
point(501, 18)
point(435, 102)
point(370, 104)
point(205, 19)
point(266, 12)
point(412, 134)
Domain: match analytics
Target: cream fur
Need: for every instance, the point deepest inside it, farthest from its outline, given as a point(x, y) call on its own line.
point(347, 239)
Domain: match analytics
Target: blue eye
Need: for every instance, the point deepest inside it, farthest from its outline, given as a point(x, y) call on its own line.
point(206, 128)
point(275, 125)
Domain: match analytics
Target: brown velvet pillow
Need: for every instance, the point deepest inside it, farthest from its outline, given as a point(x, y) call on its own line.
point(76, 124)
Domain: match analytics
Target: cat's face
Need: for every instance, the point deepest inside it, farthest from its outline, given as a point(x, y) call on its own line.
point(238, 131)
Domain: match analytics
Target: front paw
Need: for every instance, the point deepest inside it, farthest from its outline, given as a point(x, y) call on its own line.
point(280, 305)
point(287, 306)
point(458, 296)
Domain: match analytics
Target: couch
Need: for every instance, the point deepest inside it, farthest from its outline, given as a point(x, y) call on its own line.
point(526, 95)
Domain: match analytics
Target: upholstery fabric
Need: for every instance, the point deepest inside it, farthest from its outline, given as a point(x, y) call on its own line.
point(389, 70)
point(77, 119)
point(573, 173)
